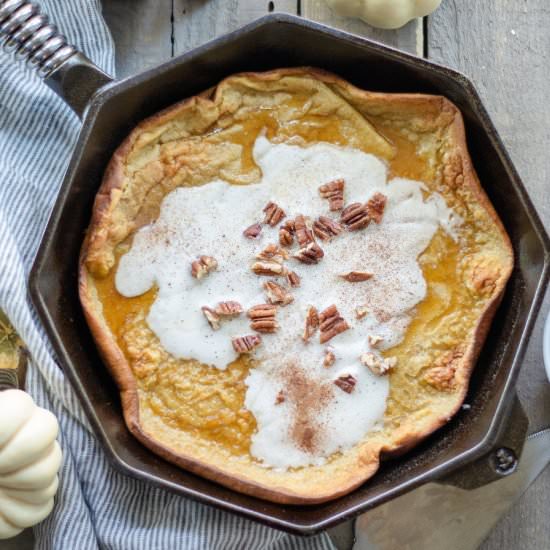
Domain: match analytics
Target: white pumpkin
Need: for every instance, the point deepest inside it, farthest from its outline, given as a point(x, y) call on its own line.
point(386, 14)
point(30, 458)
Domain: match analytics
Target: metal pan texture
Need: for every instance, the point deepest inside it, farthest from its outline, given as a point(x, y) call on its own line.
point(273, 42)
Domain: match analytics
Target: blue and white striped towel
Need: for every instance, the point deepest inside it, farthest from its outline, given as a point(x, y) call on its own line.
point(96, 507)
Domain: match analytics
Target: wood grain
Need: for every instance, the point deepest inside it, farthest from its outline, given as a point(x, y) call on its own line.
point(409, 38)
point(142, 33)
point(526, 525)
point(197, 21)
point(504, 47)
point(149, 32)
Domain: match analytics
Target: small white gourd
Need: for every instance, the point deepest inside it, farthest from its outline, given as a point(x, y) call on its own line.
point(30, 458)
point(386, 14)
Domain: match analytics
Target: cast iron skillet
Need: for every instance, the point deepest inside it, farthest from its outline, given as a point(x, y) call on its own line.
point(480, 444)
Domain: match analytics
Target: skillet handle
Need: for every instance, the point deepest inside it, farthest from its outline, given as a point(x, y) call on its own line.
point(503, 459)
point(27, 33)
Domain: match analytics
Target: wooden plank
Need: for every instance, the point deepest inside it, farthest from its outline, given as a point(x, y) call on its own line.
point(409, 38)
point(197, 21)
point(526, 525)
point(141, 31)
point(503, 46)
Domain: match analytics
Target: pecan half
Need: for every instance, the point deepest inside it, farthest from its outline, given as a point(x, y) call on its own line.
point(270, 267)
point(286, 233)
point(309, 254)
point(280, 398)
point(378, 365)
point(356, 276)
point(276, 294)
point(293, 279)
point(262, 310)
point(375, 207)
point(325, 228)
point(263, 318)
point(329, 358)
point(212, 317)
point(273, 252)
point(331, 323)
point(312, 323)
point(355, 216)
point(245, 344)
point(346, 383)
point(304, 235)
point(273, 214)
point(203, 266)
point(253, 232)
point(334, 192)
point(229, 309)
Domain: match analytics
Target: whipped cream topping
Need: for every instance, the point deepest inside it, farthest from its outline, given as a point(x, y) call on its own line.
point(316, 418)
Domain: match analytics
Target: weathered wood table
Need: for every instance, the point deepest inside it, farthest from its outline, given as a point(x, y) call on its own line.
point(503, 45)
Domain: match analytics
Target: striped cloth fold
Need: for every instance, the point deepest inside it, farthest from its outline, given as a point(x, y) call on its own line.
point(96, 507)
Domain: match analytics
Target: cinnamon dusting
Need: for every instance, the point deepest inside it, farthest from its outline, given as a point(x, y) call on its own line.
point(308, 397)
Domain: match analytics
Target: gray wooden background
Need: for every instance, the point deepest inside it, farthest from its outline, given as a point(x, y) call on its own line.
point(503, 45)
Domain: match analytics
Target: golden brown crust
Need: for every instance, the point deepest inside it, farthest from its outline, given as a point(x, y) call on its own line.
point(429, 113)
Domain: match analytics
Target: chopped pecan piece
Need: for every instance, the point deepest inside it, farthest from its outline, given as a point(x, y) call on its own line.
point(270, 267)
point(312, 323)
point(273, 252)
point(375, 207)
point(293, 279)
point(334, 192)
point(356, 276)
point(329, 358)
point(374, 340)
point(273, 214)
point(229, 309)
point(355, 216)
point(331, 323)
point(309, 254)
point(276, 294)
point(378, 365)
point(286, 233)
point(253, 232)
point(369, 360)
point(280, 398)
point(212, 317)
point(203, 266)
point(304, 235)
point(346, 383)
point(245, 344)
point(361, 312)
point(263, 318)
point(325, 228)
